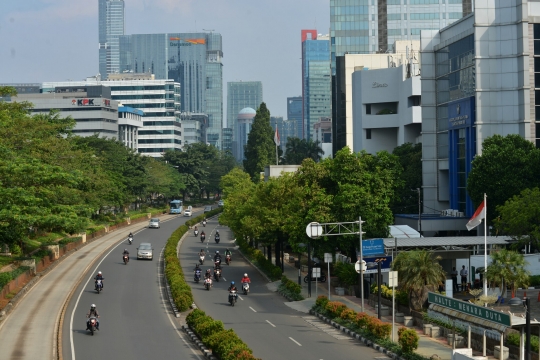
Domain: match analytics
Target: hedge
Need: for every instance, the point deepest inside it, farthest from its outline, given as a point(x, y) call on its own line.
point(6, 277)
point(370, 327)
point(257, 257)
point(290, 288)
point(225, 344)
point(401, 297)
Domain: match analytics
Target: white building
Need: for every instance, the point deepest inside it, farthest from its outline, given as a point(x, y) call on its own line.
point(322, 133)
point(386, 108)
point(129, 122)
point(478, 79)
point(241, 131)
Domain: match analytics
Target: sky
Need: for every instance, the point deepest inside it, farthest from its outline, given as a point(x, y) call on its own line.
point(57, 40)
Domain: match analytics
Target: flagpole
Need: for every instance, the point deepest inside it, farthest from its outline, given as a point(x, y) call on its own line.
point(485, 245)
point(277, 157)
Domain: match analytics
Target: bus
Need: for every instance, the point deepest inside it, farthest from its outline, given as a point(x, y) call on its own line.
point(175, 207)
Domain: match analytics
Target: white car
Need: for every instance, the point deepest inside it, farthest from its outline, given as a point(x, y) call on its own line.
point(145, 251)
point(154, 223)
point(220, 203)
point(188, 212)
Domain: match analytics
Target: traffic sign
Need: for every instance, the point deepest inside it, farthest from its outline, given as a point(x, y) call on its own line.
point(327, 257)
point(372, 247)
point(316, 273)
point(393, 279)
point(314, 230)
point(385, 261)
point(357, 266)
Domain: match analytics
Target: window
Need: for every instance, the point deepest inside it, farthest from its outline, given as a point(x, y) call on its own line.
point(368, 109)
point(368, 134)
point(414, 100)
point(455, 15)
point(394, 16)
point(394, 32)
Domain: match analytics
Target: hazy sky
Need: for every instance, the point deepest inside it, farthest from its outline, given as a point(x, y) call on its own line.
point(57, 40)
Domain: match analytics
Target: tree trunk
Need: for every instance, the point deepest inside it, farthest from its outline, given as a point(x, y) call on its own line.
point(277, 249)
point(269, 252)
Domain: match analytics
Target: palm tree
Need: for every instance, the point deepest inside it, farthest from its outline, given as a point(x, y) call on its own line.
point(507, 268)
point(293, 153)
point(419, 271)
point(313, 150)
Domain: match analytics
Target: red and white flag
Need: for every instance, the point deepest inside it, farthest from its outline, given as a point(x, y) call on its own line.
point(276, 137)
point(476, 219)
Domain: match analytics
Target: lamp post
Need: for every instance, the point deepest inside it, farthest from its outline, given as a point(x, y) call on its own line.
point(419, 212)
point(527, 304)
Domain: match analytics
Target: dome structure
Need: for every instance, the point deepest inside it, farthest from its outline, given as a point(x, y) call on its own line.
point(246, 114)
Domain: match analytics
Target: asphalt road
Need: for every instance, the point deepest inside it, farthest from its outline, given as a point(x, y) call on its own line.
point(135, 318)
point(269, 327)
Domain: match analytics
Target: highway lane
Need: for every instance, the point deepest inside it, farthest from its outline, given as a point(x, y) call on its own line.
point(269, 327)
point(135, 319)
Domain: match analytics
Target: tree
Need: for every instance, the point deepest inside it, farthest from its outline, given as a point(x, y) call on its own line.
point(260, 150)
point(507, 268)
point(520, 218)
point(419, 272)
point(299, 149)
point(410, 159)
point(507, 166)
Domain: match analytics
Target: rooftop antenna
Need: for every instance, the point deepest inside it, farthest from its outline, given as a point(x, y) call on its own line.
point(209, 30)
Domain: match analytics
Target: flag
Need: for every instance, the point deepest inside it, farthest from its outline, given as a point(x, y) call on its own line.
point(276, 137)
point(476, 219)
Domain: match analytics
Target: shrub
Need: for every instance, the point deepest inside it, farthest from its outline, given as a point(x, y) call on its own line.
point(348, 315)
point(335, 308)
point(346, 274)
point(290, 288)
point(362, 320)
point(408, 340)
point(193, 316)
point(321, 301)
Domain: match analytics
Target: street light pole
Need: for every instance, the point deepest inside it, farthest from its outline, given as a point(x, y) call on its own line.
point(361, 273)
point(528, 329)
point(419, 213)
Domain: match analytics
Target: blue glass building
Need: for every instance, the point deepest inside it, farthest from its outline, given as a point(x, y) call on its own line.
point(111, 26)
point(294, 113)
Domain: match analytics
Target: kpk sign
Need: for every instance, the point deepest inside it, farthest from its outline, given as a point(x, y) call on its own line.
point(90, 102)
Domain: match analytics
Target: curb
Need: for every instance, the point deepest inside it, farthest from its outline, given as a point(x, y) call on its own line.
point(194, 338)
point(253, 265)
point(358, 337)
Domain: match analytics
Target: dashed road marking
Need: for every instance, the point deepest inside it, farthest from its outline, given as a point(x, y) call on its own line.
point(253, 309)
point(330, 330)
point(296, 342)
point(270, 323)
point(240, 298)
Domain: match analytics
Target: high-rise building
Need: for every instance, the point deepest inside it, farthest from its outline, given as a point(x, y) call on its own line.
point(111, 27)
point(243, 127)
point(286, 129)
point(227, 140)
point(240, 95)
point(316, 80)
point(192, 59)
point(357, 27)
point(294, 113)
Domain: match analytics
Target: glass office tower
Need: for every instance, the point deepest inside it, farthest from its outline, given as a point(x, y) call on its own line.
point(111, 26)
point(316, 80)
point(240, 95)
point(294, 113)
point(192, 59)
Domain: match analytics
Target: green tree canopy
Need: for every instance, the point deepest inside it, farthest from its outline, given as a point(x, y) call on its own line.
point(260, 150)
point(299, 149)
point(410, 158)
point(507, 268)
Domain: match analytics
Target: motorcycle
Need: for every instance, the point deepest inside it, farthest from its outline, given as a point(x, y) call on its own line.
point(201, 259)
point(130, 239)
point(308, 277)
point(99, 286)
point(232, 297)
point(197, 276)
point(196, 233)
point(228, 259)
point(217, 274)
point(204, 223)
point(203, 237)
point(245, 288)
point(217, 264)
point(126, 259)
point(208, 283)
point(217, 238)
point(91, 324)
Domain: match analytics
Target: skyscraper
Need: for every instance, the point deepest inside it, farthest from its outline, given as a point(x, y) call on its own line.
point(316, 81)
point(191, 59)
point(294, 113)
point(240, 95)
point(111, 26)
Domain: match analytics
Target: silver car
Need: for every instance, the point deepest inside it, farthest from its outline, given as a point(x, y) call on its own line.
point(154, 223)
point(145, 251)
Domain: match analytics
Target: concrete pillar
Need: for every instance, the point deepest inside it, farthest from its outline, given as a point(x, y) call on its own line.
point(501, 353)
point(484, 345)
point(469, 338)
point(522, 344)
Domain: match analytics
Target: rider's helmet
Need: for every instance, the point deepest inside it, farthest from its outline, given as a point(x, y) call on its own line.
point(196, 266)
point(217, 231)
point(207, 270)
point(93, 306)
point(217, 252)
point(232, 283)
point(202, 250)
point(125, 250)
point(99, 273)
point(245, 275)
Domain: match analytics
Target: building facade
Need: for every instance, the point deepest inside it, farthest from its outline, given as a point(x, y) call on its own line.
point(403, 52)
point(194, 128)
point(227, 140)
point(194, 60)
point(111, 27)
point(242, 129)
point(240, 95)
point(479, 78)
point(158, 99)
point(129, 122)
point(316, 80)
point(294, 113)
point(286, 130)
point(322, 133)
point(386, 109)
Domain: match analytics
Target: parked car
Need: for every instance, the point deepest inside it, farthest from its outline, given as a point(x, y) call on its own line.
point(145, 251)
point(220, 203)
point(154, 223)
point(207, 208)
point(188, 212)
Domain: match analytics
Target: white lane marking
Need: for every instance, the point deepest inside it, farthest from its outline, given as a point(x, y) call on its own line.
point(164, 302)
point(330, 330)
point(253, 309)
point(296, 342)
point(240, 298)
point(224, 279)
point(79, 298)
point(270, 323)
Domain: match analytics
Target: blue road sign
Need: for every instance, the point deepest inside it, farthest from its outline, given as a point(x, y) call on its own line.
point(372, 247)
point(385, 261)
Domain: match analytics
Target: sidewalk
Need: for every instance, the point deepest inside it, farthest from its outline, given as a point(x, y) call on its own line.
point(427, 346)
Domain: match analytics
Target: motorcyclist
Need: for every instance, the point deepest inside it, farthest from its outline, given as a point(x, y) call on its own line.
point(126, 252)
point(99, 276)
point(208, 274)
point(203, 235)
point(232, 287)
point(228, 252)
point(197, 267)
point(93, 312)
point(245, 279)
point(130, 234)
point(217, 256)
point(202, 253)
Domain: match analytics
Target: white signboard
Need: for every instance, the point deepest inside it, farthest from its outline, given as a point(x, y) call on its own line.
point(316, 272)
point(357, 266)
point(393, 279)
point(327, 257)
